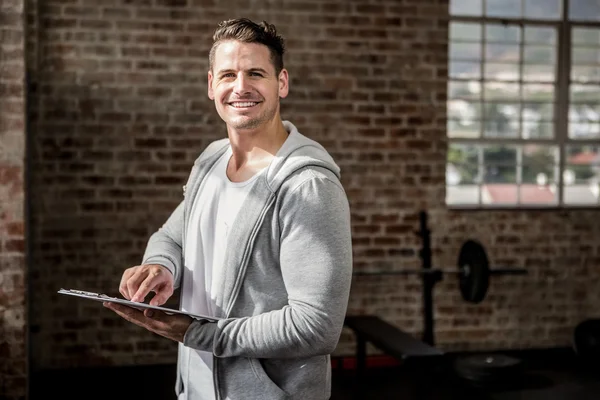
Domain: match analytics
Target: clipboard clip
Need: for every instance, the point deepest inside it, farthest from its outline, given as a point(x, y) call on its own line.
point(91, 294)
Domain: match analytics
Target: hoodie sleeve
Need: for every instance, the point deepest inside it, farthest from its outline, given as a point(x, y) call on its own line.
point(164, 246)
point(316, 266)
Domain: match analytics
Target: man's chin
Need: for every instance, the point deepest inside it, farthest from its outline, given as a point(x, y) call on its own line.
point(245, 123)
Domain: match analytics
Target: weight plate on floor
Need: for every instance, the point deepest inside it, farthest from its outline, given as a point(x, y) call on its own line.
point(474, 271)
point(487, 368)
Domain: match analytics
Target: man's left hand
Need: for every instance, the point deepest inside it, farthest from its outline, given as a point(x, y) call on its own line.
point(170, 326)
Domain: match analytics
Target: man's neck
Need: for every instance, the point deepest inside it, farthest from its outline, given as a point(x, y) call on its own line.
point(253, 150)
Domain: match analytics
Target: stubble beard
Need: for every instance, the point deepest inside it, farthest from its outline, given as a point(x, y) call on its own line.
point(254, 123)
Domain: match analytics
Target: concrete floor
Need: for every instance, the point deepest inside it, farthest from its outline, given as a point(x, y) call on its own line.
point(551, 375)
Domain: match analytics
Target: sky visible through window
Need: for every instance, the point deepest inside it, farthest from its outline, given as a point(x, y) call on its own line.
point(524, 128)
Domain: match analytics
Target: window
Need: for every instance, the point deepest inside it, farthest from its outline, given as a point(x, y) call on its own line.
point(523, 103)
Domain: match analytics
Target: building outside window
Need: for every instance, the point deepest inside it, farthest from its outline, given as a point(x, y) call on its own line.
point(523, 104)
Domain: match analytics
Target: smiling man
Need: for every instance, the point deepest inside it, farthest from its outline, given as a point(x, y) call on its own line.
point(261, 240)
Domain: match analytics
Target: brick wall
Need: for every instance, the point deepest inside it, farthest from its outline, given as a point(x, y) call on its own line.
point(122, 112)
point(13, 344)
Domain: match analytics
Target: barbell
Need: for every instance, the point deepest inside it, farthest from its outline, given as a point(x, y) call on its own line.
point(473, 272)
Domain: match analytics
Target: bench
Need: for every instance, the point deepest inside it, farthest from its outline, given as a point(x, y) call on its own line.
point(391, 340)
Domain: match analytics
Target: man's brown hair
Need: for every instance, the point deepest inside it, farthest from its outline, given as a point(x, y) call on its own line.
point(247, 31)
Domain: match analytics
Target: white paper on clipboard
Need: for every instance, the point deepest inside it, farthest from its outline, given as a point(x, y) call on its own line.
point(140, 306)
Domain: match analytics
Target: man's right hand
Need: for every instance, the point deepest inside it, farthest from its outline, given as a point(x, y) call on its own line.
point(140, 280)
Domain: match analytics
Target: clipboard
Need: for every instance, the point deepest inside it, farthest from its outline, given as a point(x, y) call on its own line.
point(140, 306)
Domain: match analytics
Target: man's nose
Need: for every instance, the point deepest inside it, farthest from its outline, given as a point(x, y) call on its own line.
point(241, 85)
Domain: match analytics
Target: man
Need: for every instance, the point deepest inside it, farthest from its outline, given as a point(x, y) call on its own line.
point(261, 241)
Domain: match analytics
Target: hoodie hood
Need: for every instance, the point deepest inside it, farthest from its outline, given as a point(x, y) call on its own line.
point(297, 152)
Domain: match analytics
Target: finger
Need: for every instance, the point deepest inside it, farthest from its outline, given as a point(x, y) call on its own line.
point(146, 286)
point(134, 282)
point(163, 293)
point(123, 284)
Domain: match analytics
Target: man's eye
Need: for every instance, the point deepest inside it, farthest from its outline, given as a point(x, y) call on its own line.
point(255, 74)
point(229, 75)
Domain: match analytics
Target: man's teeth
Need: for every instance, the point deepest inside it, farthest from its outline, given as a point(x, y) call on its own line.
point(246, 104)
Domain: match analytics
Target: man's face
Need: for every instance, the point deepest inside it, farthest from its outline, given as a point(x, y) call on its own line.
point(244, 86)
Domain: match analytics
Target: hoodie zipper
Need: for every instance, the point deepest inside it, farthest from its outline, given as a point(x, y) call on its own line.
point(246, 256)
point(238, 284)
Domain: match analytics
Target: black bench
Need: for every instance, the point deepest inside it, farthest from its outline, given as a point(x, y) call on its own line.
point(391, 340)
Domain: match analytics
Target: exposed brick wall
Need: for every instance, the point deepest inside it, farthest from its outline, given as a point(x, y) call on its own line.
point(13, 344)
point(122, 112)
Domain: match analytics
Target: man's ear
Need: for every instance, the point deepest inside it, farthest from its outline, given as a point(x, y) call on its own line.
point(283, 83)
point(211, 94)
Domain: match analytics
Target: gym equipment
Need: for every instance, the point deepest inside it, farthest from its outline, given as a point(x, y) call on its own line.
point(489, 370)
point(473, 273)
point(473, 270)
point(586, 341)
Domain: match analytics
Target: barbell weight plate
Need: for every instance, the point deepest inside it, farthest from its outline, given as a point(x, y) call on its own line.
point(474, 272)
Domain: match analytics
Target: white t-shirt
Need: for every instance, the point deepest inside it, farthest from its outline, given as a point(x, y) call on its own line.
point(213, 211)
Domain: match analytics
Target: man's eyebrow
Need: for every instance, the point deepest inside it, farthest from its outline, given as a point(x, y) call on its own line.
point(258, 70)
point(226, 71)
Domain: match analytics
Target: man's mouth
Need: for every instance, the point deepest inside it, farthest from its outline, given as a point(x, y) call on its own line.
point(243, 104)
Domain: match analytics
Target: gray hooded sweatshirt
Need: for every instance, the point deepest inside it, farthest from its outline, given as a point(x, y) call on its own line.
point(285, 281)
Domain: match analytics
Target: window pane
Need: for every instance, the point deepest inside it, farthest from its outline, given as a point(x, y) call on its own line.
point(538, 159)
point(502, 72)
point(585, 73)
point(541, 194)
point(585, 55)
point(499, 193)
point(584, 10)
point(501, 91)
point(511, 111)
point(503, 33)
point(464, 31)
point(537, 111)
point(538, 92)
point(501, 120)
point(465, 7)
point(537, 129)
point(462, 165)
point(585, 156)
point(463, 128)
point(581, 194)
point(502, 52)
point(465, 51)
point(585, 93)
point(582, 174)
point(465, 70)
point(586, 36)
point(462, 194)
point(543, 9)
point(461, 174)
point(539, 73)
point(463, 118)
point(538, 175)
point(540, 35)
point(463, 153)
point(468, 90)
point(584, 121)
point(539, 54)
point(503, 8)
point(494, 173)
point(500, 155)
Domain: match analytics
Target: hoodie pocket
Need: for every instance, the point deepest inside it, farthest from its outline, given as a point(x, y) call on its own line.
point(270, 387)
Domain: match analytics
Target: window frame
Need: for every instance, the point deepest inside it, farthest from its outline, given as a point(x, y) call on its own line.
point(562, 83)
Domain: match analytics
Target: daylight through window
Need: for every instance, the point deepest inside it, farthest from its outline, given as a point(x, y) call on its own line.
point(523, 103)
